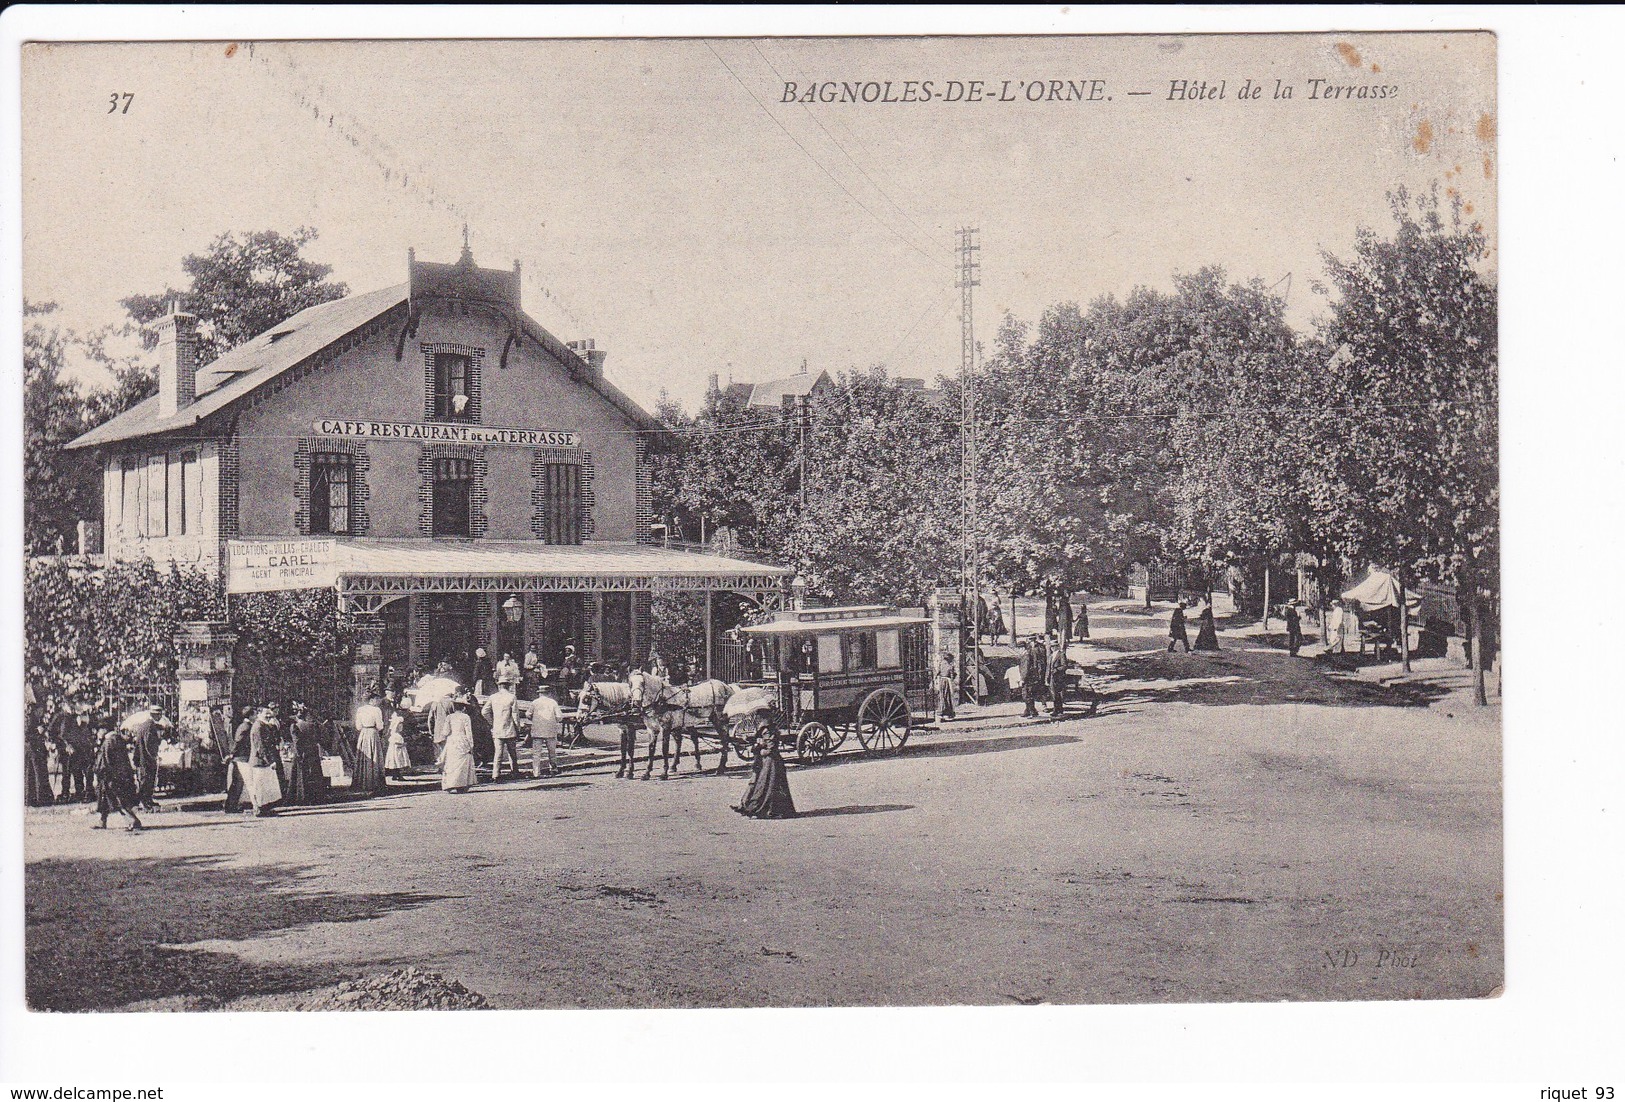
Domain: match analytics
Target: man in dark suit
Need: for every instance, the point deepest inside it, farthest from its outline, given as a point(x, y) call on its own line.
point(1032, 672)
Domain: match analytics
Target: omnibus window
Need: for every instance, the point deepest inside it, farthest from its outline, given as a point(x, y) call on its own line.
point(860, 651)
point(829, 654)
point(888, 651)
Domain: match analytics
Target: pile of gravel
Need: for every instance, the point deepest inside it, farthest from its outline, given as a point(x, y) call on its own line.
point(402, 989)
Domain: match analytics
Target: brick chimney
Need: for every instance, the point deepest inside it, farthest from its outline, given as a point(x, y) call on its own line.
point(177, 362)
point(588, 350)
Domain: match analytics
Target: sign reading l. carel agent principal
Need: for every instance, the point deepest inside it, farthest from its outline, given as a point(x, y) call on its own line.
point(446, 433)
point(262, 566)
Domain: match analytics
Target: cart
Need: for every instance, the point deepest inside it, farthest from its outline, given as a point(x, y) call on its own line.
point(832, 673)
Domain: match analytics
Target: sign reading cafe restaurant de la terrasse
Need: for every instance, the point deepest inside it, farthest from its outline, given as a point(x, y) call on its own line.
point(447, 433)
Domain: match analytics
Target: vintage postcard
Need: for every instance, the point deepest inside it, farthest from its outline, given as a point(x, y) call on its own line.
point(760, 522)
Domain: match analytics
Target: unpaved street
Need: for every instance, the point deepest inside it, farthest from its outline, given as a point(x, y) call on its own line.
point(1238, 826)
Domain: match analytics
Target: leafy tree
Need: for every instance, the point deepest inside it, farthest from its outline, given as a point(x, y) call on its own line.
point(60, 487)
point(239, 288)
point(1413, 329)
point(881, 522)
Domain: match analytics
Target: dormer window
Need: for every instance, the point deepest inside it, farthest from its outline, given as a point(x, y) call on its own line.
point(452, 392)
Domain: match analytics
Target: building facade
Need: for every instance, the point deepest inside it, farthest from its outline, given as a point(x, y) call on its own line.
point(485, 484)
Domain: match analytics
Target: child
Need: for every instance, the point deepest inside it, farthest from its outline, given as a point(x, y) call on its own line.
point(397, 759)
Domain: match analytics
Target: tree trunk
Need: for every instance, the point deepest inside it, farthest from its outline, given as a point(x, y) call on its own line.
point(1475, 620)
point(1404, 628)
point(1325, 631)
point(1266, 595)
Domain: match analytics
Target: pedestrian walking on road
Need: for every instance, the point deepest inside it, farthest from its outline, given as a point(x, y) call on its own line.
point(546, 724)
point(996, 610)
point(144, 729)
point(1176, 628)
point(945, 686)
point(482, 671)
point(1083, 616)
point(1294, 629)
point(369, 747)
point(457, 752)
point(502, 713)
point(1207, 637)
point(768, 796)
point(115, 779)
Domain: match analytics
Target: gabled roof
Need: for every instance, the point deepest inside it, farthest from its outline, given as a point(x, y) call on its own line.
point(773, 392)
point(249, 366)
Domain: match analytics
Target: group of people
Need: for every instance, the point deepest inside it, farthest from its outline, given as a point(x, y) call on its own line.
point(1040, 673)
point(458, 722)
point(1207, 634)
point(111, 761)
point(259, 774)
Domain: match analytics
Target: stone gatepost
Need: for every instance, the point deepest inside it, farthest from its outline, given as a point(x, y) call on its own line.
point(367, 660)
point(947, 632)
point(203, 651)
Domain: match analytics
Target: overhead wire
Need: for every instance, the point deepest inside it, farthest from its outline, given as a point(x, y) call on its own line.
point(845, 153)
point(935, 261)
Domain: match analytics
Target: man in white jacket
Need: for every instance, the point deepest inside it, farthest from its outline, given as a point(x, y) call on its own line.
point(501, 711)
point(546, 723)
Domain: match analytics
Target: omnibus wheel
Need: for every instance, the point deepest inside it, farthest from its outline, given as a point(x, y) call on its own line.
point(884, 721)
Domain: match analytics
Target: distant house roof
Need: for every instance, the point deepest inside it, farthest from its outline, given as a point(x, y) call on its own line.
point(254, 363)
point(771, 394)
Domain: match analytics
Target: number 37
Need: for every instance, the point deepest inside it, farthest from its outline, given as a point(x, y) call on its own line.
point(113, 102)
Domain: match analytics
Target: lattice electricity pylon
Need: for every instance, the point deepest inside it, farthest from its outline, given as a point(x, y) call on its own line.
point(970, 572)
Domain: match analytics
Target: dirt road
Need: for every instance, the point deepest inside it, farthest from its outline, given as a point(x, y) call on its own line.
point(1239, 826)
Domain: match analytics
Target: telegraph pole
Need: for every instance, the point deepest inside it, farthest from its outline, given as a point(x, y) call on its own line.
point(970, 572)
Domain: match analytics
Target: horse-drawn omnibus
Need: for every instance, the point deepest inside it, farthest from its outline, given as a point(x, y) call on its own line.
point(823, 674)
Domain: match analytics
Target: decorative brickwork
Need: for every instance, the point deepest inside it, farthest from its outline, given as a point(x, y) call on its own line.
point(539, 460)
point(229, 473)
point(589, 499)
point(642, 627)
point(476, 359)
point(477, 493)
point(420, 632)
point(590, 616)
point(360, 463)
point(645, 493)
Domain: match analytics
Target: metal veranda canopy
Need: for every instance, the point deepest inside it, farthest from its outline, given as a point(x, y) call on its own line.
point(373, 572)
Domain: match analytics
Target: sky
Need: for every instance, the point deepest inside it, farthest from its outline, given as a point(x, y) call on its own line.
point(667, 202)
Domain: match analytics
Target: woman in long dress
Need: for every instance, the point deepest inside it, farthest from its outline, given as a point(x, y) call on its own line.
point(457, 752)
point(769, 794)
point(369, 747)
point(306, 782)
point(398, 759)
point(1207, 637)
point(264, 785)
point(115, 779)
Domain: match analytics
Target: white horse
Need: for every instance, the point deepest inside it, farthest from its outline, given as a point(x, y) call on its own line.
point(613, 702)
point(669, 710)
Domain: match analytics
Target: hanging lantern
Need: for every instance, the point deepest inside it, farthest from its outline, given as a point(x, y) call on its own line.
point(513, 609)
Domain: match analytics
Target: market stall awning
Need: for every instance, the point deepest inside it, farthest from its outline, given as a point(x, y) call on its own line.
point(373, 571)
